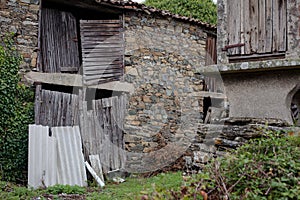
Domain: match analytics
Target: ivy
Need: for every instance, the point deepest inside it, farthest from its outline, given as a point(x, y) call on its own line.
point(16, 106)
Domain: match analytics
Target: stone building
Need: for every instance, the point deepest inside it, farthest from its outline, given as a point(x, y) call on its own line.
point(258, 58)
point(138, 62)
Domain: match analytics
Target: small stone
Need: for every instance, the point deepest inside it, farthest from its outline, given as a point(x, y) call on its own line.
point(147, 99)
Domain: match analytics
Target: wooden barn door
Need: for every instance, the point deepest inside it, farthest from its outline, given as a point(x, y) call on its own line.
point(58, 42)
point(102, 50)
point(102, 131)
point(256, 27)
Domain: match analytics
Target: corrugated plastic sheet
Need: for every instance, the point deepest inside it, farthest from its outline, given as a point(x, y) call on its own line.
point(70, 160)
point(41, 158)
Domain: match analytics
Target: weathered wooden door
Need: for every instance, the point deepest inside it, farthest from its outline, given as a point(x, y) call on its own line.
point(256, 27)
point(102, 131)
point(102, 50)
point(59, 50)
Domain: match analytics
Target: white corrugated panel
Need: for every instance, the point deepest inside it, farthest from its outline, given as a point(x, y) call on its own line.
point(41, 157)
point(70, 160)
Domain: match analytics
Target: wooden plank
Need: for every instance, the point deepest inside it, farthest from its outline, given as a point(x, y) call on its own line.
point(102, 63)
point(101, 76)
point(38, 103)
point(275, 26)
point(102, 58)
point(282, 34)
point(261, 26)
point(96, 165)
point(101, 46)
point(104, 34)
point(100, 29)
point(257, 57)
point(254, 25)
point(242, 28)
point(234, 25)
point(114, 50)
point(54, 109)
point(122, 109)
point(100, 72)
point(68, 110)
point(269, 26)
point(69, 69)
point(247, 28)
point(87, 27)
point(101, 68)
point(102, 21)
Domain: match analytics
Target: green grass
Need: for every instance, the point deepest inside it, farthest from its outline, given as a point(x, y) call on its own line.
point(133, 188)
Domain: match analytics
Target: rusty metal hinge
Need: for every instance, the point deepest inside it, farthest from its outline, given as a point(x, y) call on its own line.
point(232, 46)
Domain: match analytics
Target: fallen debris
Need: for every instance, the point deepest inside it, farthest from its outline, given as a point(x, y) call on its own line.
point(93, 173)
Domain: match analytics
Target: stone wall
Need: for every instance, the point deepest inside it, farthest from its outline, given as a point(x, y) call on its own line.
point(161, 57)
point(20, 17)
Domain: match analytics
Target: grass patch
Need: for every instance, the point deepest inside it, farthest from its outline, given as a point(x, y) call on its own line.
point(133, 188)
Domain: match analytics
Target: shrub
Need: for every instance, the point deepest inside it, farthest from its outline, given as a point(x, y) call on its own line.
point(16, 106)
point(204, 10)
point(265, 168)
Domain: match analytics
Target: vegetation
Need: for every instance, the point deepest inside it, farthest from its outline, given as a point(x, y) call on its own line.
point(266, 168)
point(133, 188)
point(204, 10)
point(16, 113)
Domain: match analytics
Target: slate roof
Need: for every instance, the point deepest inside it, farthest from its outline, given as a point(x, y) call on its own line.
point(128, 4)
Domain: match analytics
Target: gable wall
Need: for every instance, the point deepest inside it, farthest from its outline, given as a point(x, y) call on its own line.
point(161, 56)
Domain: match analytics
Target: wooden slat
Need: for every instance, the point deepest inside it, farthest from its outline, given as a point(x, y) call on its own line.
point(282, 38)
point(101, 46)
point(103, 72)
point(234, 25)
point(101, 76)
point(102, 21)
point(69, 69)
point(104, 51)
point(101, 29)
point(275, 9)
point(90, 35)
point(261, 26)
point(254, 25)
point(268, 26)
point(246, 26)
point(242, 28)
point(38, 103)
point(88, 27)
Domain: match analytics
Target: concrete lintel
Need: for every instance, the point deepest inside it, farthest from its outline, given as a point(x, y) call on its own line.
point(75, 80)
point(266, 65)
point(210, 94)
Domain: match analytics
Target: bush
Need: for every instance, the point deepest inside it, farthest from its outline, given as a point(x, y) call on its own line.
point(265, 168)
point(16, 105)
point(204, 10)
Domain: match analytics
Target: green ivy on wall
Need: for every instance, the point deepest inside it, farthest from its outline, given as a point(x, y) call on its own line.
point(16, 112)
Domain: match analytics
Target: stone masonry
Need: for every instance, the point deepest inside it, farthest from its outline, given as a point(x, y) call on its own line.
point(20, 17)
